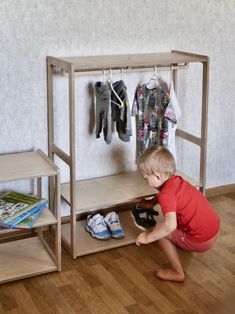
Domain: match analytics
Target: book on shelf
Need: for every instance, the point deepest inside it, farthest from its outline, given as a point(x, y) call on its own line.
point(15, 207)
point(28, 222)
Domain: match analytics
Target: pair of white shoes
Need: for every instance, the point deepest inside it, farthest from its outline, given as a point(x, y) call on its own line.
point(104, 228)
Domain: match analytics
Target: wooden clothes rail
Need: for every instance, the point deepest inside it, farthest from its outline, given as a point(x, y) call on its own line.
point(74, 238)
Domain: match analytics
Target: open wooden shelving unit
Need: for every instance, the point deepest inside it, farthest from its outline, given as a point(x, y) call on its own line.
point(32, 255)
point(86, 196)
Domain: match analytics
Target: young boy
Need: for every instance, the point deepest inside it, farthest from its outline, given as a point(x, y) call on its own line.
point(189, 220)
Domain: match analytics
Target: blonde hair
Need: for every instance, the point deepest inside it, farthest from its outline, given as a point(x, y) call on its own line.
point(157, 159)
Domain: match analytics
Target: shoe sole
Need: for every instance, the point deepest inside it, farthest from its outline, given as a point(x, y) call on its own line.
point(118, 237)
point(94, 235)
point(138, 226)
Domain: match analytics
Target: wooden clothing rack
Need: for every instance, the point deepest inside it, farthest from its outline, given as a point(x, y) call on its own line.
point(94, 193)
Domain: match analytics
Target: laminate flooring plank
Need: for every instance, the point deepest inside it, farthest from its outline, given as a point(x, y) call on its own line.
point(58, 300)
point(172, 291)
point(89, 276)
point(109, 298)
point(7, 300)
point(109, 282)
point(218, 268)
point(144, 285)
point(140, 308)
point(66, 290)
point(39, 296)
point(205, 300)
point(86, 293)
point(25, 303)
point(47, 295)
point(184, 298)
point(135, 256)
point(74, 300)
point(223, 296)
point(123, 280)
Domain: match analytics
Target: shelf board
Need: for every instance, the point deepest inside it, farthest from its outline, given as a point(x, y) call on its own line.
point(92, 63)
point(45, 218)
point(108, 191)
point(24, 258)
point(25, 166)
point(86, 244)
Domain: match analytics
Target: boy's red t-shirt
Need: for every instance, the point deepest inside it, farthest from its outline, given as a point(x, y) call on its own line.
point(195, 215)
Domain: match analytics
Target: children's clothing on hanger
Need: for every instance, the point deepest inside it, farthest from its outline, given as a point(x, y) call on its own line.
point(121, 115)
point(112, 105)
point(103, 111)
point(172, 113)
point(157, 111)
point(149, 107)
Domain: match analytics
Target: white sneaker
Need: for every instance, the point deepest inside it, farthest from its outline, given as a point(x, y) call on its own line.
point(113, 223)
point(97, 227)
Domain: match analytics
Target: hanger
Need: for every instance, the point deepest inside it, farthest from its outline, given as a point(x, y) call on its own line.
point(121, 73)
point(103, 75)
point(171, 73)
point(171, 77)
point(120, 104)
point(154, 77)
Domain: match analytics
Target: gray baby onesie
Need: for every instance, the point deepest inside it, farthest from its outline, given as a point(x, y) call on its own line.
point(103, 111)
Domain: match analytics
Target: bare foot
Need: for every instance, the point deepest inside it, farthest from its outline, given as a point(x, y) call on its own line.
point(169, 274)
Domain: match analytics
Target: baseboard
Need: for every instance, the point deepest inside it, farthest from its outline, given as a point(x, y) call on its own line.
point(220, 190)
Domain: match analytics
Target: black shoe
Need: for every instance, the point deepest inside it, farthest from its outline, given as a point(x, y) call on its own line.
point(144, 217)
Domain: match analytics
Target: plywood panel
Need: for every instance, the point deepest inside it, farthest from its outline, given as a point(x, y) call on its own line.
point(24, 258)
point(107, 191)
point(24, 166)
point(125, 61)
point(86, 244)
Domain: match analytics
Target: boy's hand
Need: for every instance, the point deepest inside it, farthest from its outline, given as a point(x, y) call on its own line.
point(145, 203)
point(141, 239)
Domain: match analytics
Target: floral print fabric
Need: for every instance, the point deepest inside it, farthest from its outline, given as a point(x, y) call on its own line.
point(154, 112)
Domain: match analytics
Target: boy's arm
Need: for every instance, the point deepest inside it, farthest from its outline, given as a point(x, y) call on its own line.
point(161, 230)
point(149, 203)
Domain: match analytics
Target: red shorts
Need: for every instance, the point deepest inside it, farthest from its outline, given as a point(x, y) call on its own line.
point(182, 240)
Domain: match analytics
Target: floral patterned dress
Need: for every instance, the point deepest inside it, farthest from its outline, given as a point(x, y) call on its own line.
point(152, 114)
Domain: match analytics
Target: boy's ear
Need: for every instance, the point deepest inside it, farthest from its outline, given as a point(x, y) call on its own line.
point(158, 175)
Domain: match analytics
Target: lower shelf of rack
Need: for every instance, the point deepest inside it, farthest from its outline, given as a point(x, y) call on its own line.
point(112, 190)
point(86, 244)
point(107, 191)
point(24, 258)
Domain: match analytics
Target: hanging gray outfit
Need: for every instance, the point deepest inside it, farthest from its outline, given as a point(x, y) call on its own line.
point(103, 111)
point(122, 115)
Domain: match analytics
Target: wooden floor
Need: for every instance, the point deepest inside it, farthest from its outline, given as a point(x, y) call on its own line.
point(122, 280)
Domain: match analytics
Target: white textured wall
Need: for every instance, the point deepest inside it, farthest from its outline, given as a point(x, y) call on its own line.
point(30, 30)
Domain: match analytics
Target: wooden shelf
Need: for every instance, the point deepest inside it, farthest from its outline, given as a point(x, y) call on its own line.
point(46, 218)
point(135, 61)
point(24, 258)
point(108, 191)
point(25, 166)
point(86, 244)
point(31, 256)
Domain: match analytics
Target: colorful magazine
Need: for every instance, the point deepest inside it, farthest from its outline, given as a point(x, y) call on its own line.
point(29, 221)
point(13, 205)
